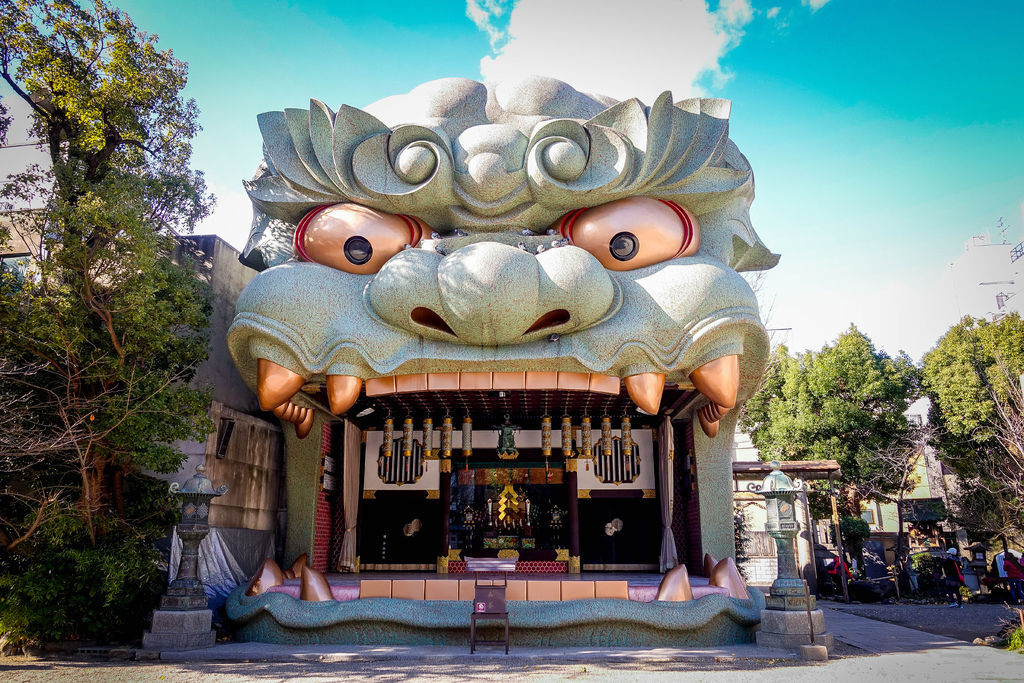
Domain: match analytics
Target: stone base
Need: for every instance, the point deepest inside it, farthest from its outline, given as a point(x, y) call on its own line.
point(789, 630)
point(177, 641)
point(814, 653)
point(791, 641)
point(790, 603)
point(775, 621)
point(180, 630)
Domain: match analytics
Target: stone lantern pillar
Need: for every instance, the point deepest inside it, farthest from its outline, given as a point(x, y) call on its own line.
point(183, 620)
point(791, 610)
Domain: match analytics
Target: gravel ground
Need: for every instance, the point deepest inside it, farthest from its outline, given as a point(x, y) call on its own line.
point(973, 621)
point(215, 672)
point(959, 664)
point(493, 667)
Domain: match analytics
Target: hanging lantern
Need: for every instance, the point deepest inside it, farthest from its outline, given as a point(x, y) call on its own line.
point(585, 446)
point(627, 438)
point(446, 437)
point(566, 437)
point(389, 436)
point(606, 436)
point(467, 437)
point(545, 437)
point(428, 438)
point(407, 437)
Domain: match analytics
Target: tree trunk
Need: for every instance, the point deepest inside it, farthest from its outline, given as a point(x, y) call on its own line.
point(118, 490)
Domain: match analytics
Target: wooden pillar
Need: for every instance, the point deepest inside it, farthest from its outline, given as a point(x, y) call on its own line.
point(445, 494)
point(574, 516)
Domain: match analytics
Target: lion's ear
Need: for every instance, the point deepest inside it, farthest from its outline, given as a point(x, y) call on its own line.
point(751, 257)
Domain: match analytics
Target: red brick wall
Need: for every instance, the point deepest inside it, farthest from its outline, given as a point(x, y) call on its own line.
point(686, 506)
point(694, 546)
point(322, 533)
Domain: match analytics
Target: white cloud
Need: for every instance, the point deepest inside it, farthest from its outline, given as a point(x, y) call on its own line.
point(634, 50)
point(815, 5)
point(772, 12)
point(231, 218)
point(488, 16)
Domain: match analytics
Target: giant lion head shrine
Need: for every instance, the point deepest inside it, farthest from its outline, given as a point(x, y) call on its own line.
point(503, 323)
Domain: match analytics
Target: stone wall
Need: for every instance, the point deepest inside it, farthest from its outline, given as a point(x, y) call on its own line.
point(250, 464)
point(302, 482)
point(714, 480)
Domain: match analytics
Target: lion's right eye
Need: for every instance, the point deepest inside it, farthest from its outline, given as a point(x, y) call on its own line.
point(354, 238)
point(633, 232)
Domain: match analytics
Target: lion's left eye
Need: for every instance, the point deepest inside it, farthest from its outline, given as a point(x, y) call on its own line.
point(633, 232)
point(354, 238)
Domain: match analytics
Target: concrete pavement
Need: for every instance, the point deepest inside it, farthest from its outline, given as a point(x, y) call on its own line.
point(878, 637)
point(870, 651)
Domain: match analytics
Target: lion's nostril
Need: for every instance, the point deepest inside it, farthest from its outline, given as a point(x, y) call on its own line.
point(559, 316)
point(428, 318)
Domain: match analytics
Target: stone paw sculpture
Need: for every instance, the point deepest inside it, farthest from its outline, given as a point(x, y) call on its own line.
point(268, 575)
point(709, 564)
point(726, 575)
point(314, 586)
point(675, 585)
point(295, 571)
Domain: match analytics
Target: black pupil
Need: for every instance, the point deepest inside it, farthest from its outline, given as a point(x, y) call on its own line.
point(624, 246)
point(358, 250)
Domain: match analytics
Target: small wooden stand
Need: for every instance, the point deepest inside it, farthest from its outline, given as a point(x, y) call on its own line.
point(489, 602)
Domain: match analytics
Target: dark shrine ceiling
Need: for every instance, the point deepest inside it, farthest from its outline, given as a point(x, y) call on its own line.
point(488, 409)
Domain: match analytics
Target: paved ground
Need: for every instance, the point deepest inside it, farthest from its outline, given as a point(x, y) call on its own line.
point(973, 621)
point(869, 651)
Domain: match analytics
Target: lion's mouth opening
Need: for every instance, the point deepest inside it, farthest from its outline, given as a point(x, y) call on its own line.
point(489, 396)
point(432, 319)
point(428, 318)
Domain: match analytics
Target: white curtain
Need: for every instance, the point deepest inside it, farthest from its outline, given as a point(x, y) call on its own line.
point(666, 453)
point(350, 497)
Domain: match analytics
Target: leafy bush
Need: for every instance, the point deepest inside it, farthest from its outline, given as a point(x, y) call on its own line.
point(1015, 641)
point(855, 531)
point(60, 587)
point(740, 533)
point(928, 567)
point(101, 593)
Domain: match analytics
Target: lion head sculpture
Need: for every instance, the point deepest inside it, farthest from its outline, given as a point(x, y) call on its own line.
point(510, 230)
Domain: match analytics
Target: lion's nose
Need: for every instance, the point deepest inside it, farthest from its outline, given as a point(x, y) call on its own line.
point(489, 292)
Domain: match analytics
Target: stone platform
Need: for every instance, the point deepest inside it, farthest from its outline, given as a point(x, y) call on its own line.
point(180, 630)
point(710, 621)
point(790, 629)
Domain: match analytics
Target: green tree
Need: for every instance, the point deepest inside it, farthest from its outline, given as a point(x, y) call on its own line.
point(845, 402)
point(972, 379)
point(98, 343)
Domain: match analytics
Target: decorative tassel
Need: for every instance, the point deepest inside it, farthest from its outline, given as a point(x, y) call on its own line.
point(606, 436)
point(428, 438)
point(467, 437)
point(389, 436)
point(407, 437)
point(446, 437)
point(627, 438)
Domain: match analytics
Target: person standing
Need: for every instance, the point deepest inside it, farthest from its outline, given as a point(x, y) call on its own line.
point(1014, 577)
point(952, 577)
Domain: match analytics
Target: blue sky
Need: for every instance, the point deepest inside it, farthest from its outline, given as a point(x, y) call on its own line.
point(882, 134)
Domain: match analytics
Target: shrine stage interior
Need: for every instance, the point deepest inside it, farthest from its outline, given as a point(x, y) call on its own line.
point(642, 586)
